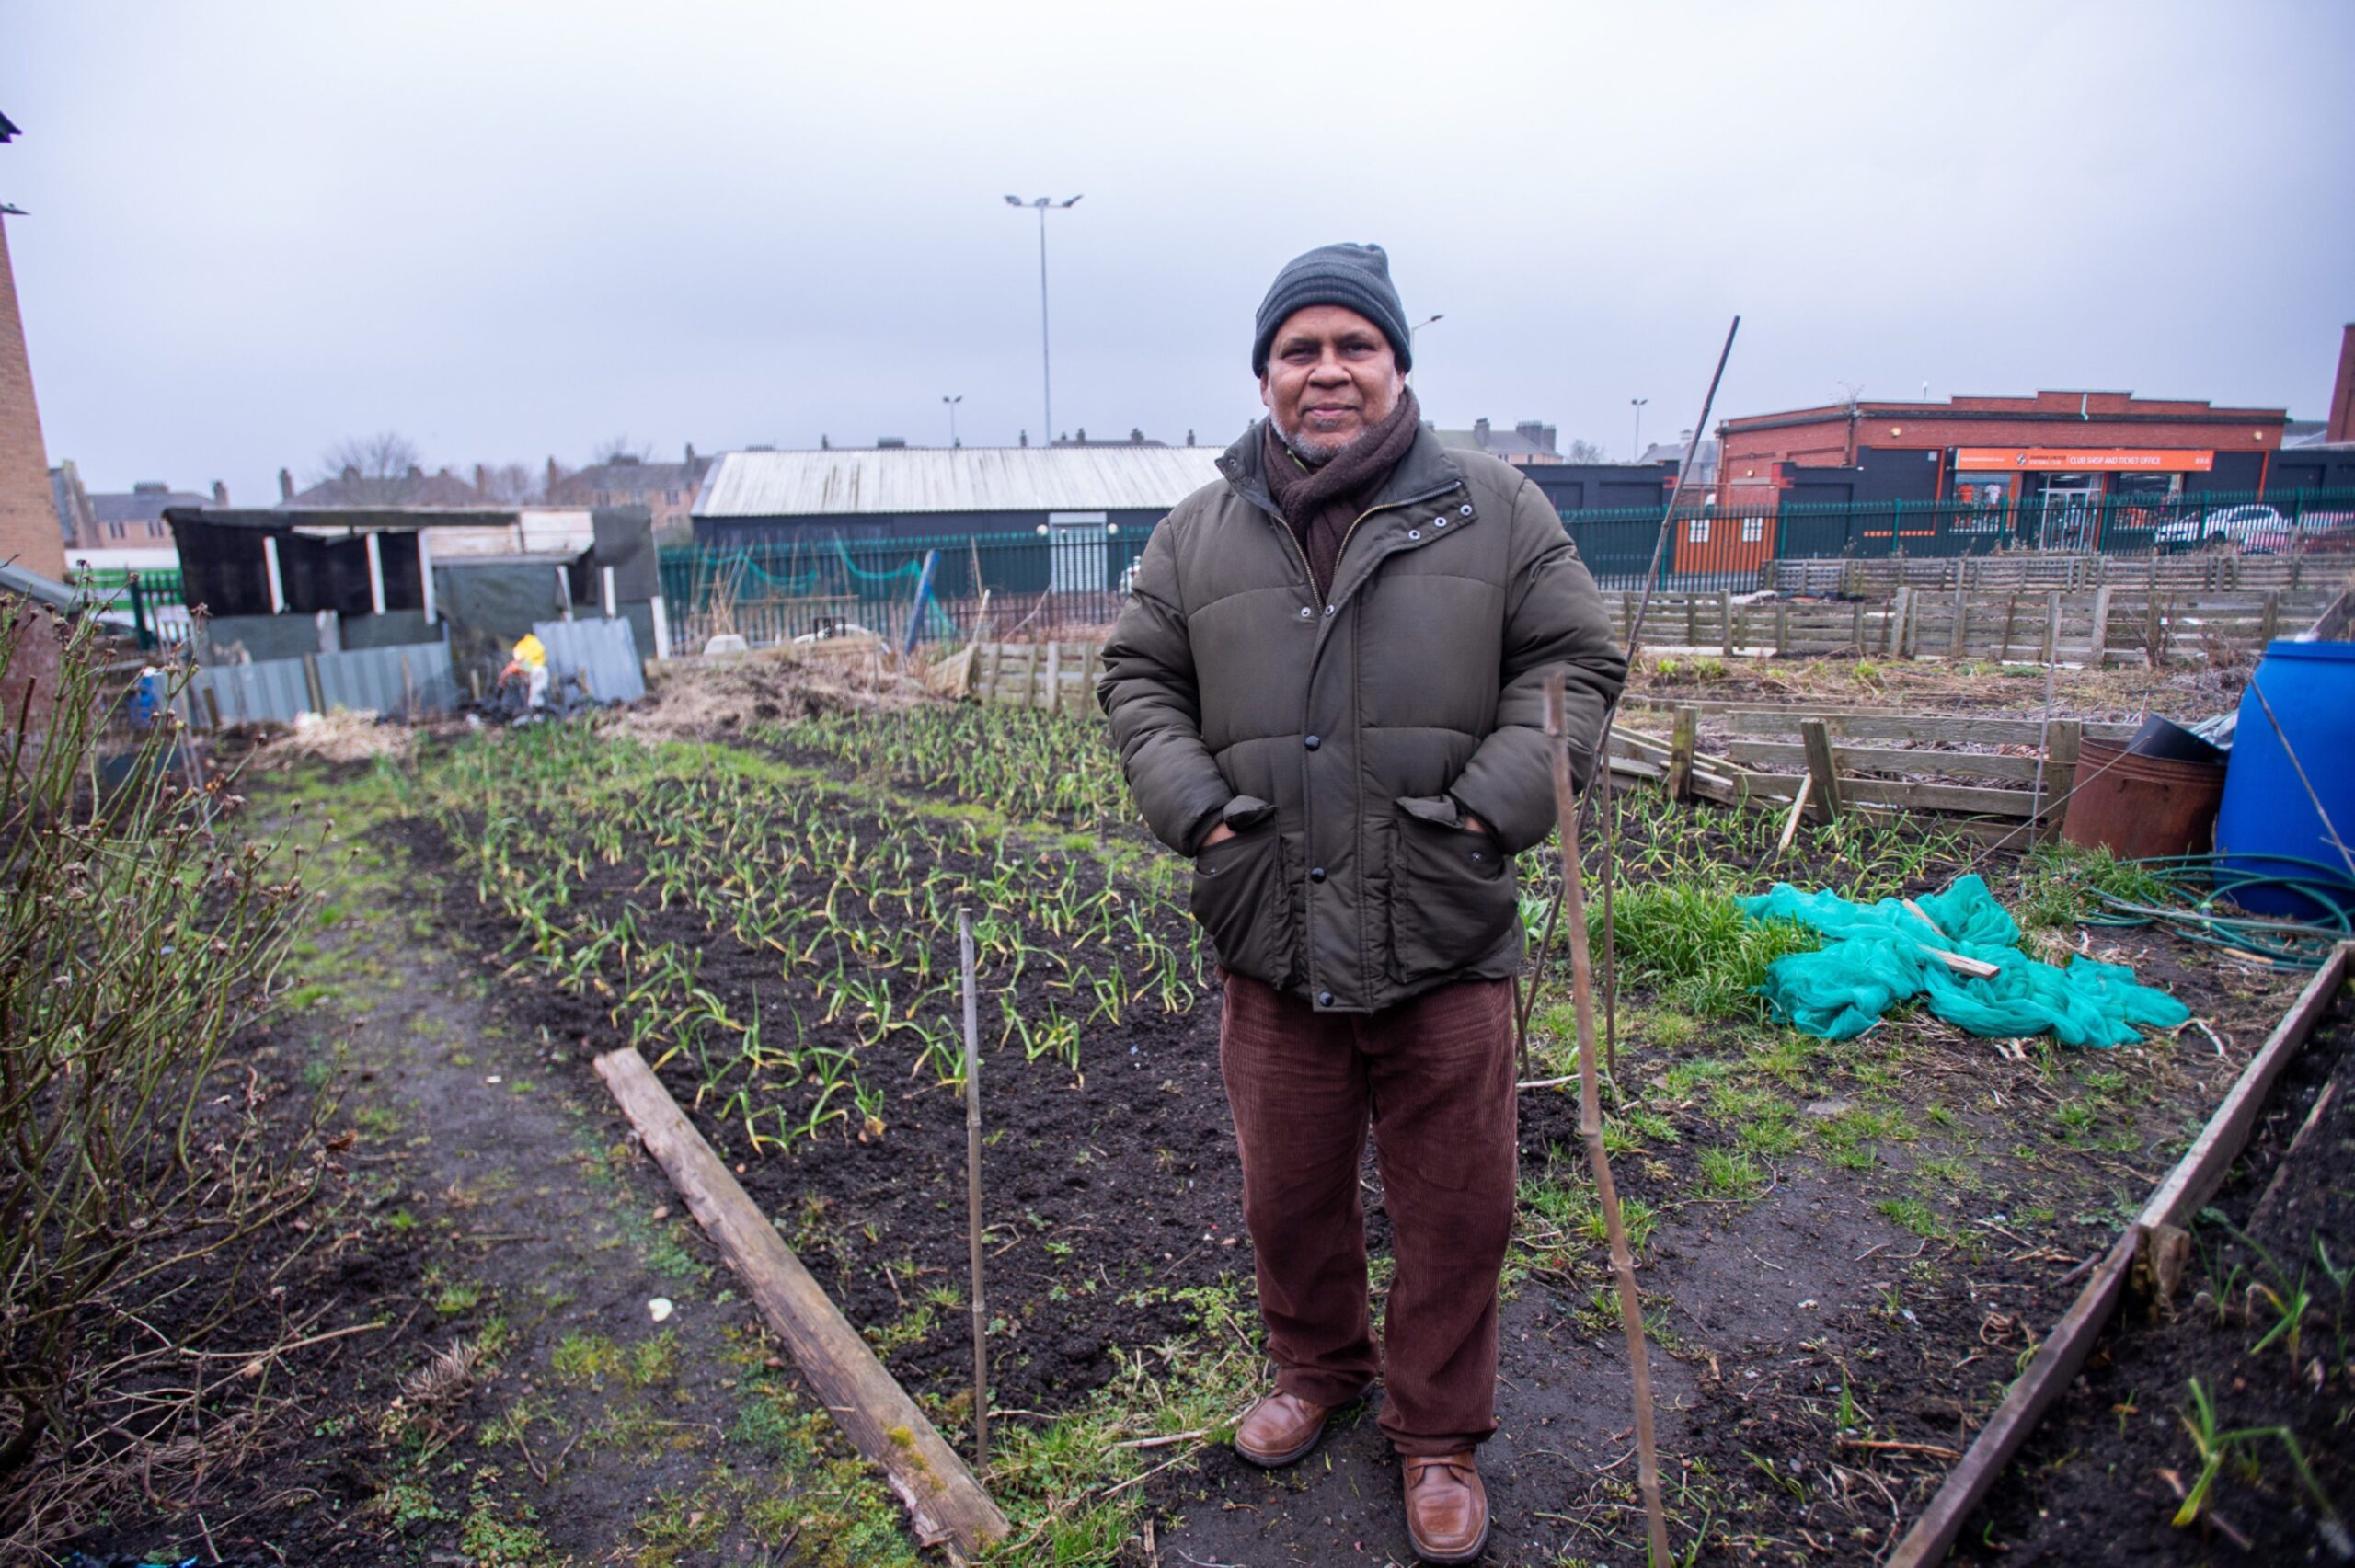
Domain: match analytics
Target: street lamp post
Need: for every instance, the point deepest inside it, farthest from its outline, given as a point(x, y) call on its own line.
point(1637, 451)
point(952, 403)
point(1417, 327)
point(1046, 360)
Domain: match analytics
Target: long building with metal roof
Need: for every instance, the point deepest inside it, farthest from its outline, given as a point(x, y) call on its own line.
point(906, 492)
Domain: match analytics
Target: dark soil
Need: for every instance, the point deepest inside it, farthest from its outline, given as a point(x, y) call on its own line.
point(1095, 1186)
point(481, 1192)
point(2106, 1471)
point(1107, 1191)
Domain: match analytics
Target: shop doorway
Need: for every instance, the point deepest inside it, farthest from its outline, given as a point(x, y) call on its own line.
point(2071, 510)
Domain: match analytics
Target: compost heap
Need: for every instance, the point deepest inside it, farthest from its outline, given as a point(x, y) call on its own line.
point(1876, 955)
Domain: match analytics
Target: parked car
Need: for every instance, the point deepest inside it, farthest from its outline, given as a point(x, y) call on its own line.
point(2251, 527)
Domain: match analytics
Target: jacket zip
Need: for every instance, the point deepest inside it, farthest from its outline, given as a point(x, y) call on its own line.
point(1307, 937)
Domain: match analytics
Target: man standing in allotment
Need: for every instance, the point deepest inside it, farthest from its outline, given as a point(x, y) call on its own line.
point(1327, 690)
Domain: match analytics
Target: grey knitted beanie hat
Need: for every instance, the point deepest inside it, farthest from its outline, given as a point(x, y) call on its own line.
point(1354, 275)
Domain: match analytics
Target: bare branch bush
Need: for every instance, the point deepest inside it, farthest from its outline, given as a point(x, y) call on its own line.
point(136, 942)
point(374, 469)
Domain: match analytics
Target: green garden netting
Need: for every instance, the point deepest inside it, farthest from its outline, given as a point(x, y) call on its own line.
point(1876, 955)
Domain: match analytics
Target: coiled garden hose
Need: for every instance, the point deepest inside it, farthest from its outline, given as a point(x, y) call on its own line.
point(2196, 884)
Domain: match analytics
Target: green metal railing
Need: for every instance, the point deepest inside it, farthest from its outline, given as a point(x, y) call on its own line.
point(782, 587)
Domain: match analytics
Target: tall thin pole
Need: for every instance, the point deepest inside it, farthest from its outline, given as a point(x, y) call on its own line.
point(1623, 1261)
point(1636, 447)
point(973, 1189)
point(1046, 358)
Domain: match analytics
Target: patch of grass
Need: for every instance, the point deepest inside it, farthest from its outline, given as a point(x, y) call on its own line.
point(1913, 1214)
point(1695, 948)
point(586, 1358)
point(376, 1121)
point(683, 1527)
point(1731, 1173)
point(504, 1535)
point(1557, 1219)
point(2060, 884)
point(1634, 1127)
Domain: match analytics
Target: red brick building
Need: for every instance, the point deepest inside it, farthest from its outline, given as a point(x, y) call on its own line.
point(29, 533)
point(2040, 460)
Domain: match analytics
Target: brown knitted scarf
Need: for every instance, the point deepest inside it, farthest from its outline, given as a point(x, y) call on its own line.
point(1320, 503)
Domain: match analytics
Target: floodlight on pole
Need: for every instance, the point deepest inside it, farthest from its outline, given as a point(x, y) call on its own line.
point(952, 403)
point(1637, 451)
point(1046, 358)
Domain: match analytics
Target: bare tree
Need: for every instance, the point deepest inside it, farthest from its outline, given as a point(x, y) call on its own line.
point(373, 470)
point(1584, 451)
point(619, 449)
point(511, 484)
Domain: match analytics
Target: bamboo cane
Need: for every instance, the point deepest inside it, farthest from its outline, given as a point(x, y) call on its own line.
point(1610, 926)
point(1623, 1263)
point(973, 1190)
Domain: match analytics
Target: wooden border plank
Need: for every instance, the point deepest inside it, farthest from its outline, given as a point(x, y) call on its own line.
point(2194, 1179)
point(1890, 760)
point(2201, 1170)
point(944, 1502)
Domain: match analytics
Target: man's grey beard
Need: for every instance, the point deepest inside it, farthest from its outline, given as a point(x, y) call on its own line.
point(1315, 452)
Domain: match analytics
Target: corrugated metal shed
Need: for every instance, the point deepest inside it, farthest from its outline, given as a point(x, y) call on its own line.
point(384, 678)
point(605, 651)
point(248, 694)
point(378, 678)
point(967, 480)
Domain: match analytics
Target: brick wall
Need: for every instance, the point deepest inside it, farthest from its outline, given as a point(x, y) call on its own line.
point(1818, 438)
point(28, 515)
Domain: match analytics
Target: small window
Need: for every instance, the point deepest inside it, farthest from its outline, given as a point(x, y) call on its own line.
point(1753, 528)
point(1696, 532)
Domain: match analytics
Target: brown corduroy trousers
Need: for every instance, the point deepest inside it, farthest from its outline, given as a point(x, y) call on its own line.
point(1434, 1078)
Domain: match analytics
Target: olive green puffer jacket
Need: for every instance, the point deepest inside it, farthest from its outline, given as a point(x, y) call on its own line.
point(1343, 741)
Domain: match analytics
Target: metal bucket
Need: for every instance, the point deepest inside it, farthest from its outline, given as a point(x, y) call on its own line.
point(2137, 807)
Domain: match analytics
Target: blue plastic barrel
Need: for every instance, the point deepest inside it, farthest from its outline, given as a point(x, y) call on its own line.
point(2269, 824)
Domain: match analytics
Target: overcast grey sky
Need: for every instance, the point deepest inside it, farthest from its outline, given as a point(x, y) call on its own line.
point(510, 230)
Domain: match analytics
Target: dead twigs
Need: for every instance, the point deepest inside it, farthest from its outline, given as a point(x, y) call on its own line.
point(1623, 1263)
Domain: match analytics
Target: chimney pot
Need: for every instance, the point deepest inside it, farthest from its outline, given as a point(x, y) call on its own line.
point(220, 494)
point(285, 486)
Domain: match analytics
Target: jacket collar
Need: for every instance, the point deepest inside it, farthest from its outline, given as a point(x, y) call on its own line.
point(1425, 471)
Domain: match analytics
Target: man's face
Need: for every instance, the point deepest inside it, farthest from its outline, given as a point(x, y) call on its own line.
point(1331, 377)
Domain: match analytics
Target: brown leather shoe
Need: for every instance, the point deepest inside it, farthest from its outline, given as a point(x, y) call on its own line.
point(1281, 1429)
point(1447, 1508)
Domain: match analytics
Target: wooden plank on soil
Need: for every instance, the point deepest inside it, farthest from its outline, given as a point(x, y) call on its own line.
point(2201, 1170)
point(2194, 1179)
point(944, 1502)
point(1891, 760)
point(1941, 797)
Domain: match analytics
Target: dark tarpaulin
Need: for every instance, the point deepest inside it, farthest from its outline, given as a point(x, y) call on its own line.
point(625, 544)
point(490, 604)
point(223, 568)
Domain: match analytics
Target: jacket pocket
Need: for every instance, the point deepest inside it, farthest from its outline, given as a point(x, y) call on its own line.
point(1242, 903)
point(1450, 891)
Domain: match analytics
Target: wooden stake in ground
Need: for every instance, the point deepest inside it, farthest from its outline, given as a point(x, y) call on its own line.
point(944, 1502)
point(973, 1189)
point(1623, 1263)
point(1610, 926)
